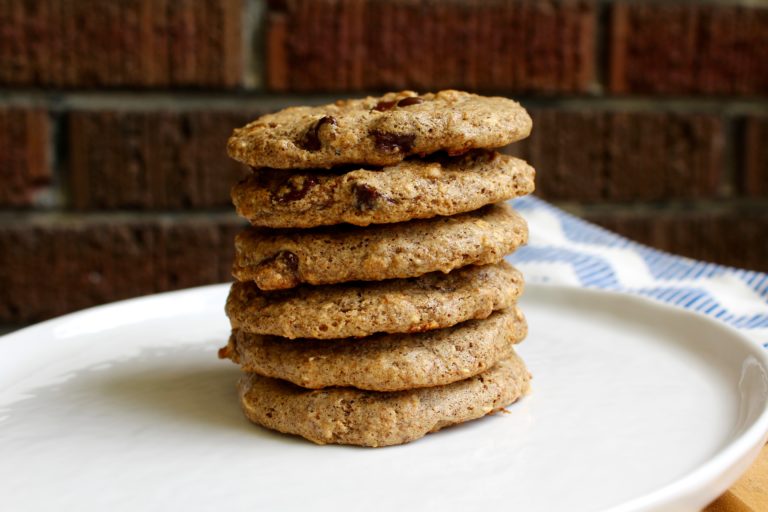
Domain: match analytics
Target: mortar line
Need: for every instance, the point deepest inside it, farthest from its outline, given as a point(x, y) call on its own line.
point(252, 41)
point(237, 100)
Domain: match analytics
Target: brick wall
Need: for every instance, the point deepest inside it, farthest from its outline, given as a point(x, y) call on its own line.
point(651, 118)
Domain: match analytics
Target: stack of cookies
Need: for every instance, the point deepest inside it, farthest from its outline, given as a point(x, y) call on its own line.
point(372, 304)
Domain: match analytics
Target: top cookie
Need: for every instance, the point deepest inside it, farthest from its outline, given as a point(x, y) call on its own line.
point(379, 131)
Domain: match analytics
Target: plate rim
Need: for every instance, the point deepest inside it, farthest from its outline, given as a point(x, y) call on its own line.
point(706, 482)
point(724, 467)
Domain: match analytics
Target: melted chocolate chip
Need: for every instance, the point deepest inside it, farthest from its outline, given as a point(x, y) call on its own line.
point(286, 259)
point(392, 142)
point(294, 188)
point(290, 259)
point(311, 139)
point(366, 196)
point(326, 119)
point(383, 106)
point(411, 100)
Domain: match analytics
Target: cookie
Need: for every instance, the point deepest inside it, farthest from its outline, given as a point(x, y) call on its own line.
point(379, 131)
point(370, 418)
point(412, 189)
point(359, 309)
point(385, 362)
point(277, 260)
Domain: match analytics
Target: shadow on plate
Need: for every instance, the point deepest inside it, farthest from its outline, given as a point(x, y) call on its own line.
point(158, 388)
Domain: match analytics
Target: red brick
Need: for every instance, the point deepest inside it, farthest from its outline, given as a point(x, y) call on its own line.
point(592, 156)
point(25, 165)
point(151, 160)
point(352, 45)
point(755, 175)
point(688, 48)
point(729, 237)
point(50, 266)
point(132, 43)
point(276, 43)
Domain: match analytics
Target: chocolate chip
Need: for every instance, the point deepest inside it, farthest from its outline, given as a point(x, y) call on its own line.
point(411, 100)
point(278, 272)
point(326, 119)
point(294, 188)
point(290, 259)
point(366, 196)
point(383, 106)
point(285, 259)
point(311, 139)
point(392, 142)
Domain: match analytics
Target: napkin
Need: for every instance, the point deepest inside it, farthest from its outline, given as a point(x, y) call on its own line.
point(565, 250)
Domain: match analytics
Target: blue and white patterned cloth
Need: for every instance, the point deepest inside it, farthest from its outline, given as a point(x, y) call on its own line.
point(566, 250)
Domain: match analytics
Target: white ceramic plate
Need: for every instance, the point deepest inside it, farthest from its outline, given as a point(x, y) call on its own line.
point(126, 407)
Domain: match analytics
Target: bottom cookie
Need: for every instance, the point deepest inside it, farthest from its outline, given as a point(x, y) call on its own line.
point(369, 418)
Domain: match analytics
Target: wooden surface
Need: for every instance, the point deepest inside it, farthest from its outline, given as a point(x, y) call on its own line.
point(750, 493)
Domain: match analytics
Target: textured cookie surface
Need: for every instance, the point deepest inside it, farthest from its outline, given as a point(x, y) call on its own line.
point(379, 131)
point(412, 189)
point(358, 309)
point(385, 362)
point(370, 418)
point(276, 259)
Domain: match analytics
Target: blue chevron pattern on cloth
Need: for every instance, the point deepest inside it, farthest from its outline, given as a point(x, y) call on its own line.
point(564, 249)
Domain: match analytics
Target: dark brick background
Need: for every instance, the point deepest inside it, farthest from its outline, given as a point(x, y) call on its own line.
point(492, 46)
point(24, 155)
point(151, 159)
point(52, 264)
point(651, 118)
point(126, 43)
point(625, 156)
point(755, 179)
point(689, 48)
